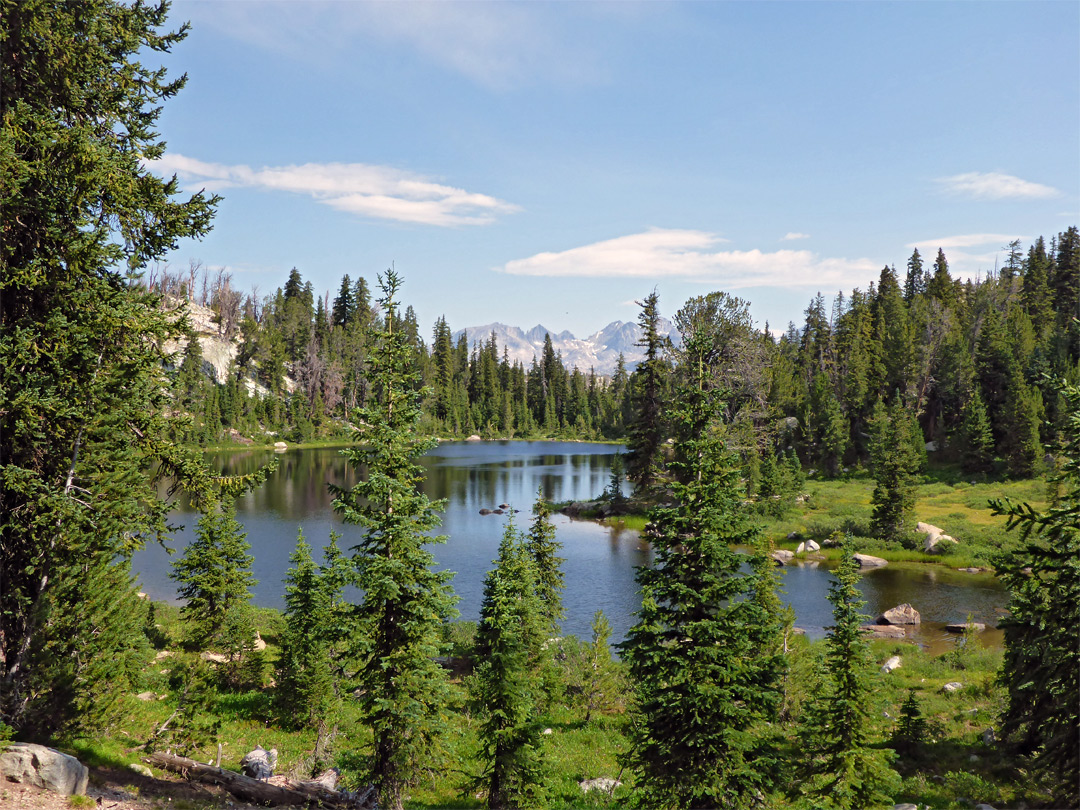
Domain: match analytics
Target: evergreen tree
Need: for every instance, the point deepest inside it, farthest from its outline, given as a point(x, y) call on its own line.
point(646, 429)
point(976, 438)
point(846, 773)
point(82, 391)
point(399, 622)
point(915, 281)
point(694, 655)
point(600, 686)
point(215, 580)
point(1041, 670)
point(307, 691)
point(544, 548)
point(506, 689)
point(894, 467)
point(345, 304)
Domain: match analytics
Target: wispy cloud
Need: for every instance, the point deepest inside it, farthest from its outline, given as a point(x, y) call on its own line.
point(358, 188)
point(691, 255)
point(966, 240)
point(995, 186)
point(494, 44)
point(791, 236)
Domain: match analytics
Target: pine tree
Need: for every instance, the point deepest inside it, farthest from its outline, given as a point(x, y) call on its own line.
point(215, 580)
point(399, 621)
point(976, 438)
point(646, 429)
point(693, 655)
point(544, 548)
point(846, 773)
point(1042, 660)
point(600, 686)
point(506, 689)
point(82, 388)
point(307, 685)
point(345, 304)
point(894, 467)
point(912, 729)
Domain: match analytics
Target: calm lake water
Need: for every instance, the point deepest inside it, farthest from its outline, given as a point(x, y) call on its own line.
point(599, 561)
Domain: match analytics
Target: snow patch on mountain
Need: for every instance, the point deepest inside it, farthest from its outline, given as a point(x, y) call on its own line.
point(599, 352)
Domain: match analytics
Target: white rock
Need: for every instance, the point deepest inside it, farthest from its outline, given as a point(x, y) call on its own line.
point(139, 768)
point(890, 665)
point(144, 696)
point(801, 548)
point(812, 545)
point(952, 686)
point(868, 561)
point(603, 783)
point(43, 767)
point(473, 438)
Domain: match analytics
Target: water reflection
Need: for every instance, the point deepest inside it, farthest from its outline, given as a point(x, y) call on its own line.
point(600, 561)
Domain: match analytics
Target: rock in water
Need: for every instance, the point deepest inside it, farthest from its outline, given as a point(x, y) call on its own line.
point(867, 561)
point(259, 764)
point(901, 614)
point(44, 768)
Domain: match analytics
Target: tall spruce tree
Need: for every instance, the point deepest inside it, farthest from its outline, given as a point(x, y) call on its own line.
point(645, 432)
point(308, 692)
point(82, 391)
point(506, 689)
point(694, 655)
point(895, 463)
point(544, 549)
point(1042, 658)
point(846, 772)
point(403, 691)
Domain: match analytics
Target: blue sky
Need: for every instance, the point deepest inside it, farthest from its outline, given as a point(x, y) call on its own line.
point(554, 162)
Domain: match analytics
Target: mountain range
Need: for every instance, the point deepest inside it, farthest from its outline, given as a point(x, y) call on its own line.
point(599, 352)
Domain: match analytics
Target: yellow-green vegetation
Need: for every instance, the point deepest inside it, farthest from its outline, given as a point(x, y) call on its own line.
point(952, 767)
point(961, 508)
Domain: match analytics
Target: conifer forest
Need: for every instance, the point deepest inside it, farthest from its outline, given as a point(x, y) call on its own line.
point(714, 699)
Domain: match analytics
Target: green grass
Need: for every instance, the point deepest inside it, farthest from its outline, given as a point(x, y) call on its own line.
point(961, 509)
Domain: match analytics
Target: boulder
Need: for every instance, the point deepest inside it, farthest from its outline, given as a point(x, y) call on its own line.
point(280, 447)
point(141, 769)
point(259, 644)
point(473, 438)
point(988, 736)
point(901, 614)
point(145, 696)
point(938, 544)
point(884, 630)
point(504, 506)
point(604, 783)
point(43, 767)
point(260, 763)
point(793, 536)
point(801, 549)
point(782, 555)
point(485, 511)
point(960, 627)
point(890, 665)
point(928, 529)
point(812, 545)
point(952, 686)
point(868, 561)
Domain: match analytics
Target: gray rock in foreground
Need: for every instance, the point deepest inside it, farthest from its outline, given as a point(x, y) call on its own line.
point(44, 767)
point(868, 561)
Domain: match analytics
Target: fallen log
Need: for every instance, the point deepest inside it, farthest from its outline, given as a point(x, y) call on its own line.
point(258, 792)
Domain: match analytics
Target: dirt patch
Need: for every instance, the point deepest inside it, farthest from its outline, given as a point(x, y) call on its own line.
point(119, 789)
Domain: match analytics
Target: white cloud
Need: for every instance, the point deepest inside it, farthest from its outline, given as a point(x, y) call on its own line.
point(966, 240)
point(659, 253)
point(358, 188)
point(791, 236)
point(995, 186)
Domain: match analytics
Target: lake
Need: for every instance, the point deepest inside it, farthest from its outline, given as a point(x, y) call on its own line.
point(599, 560)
